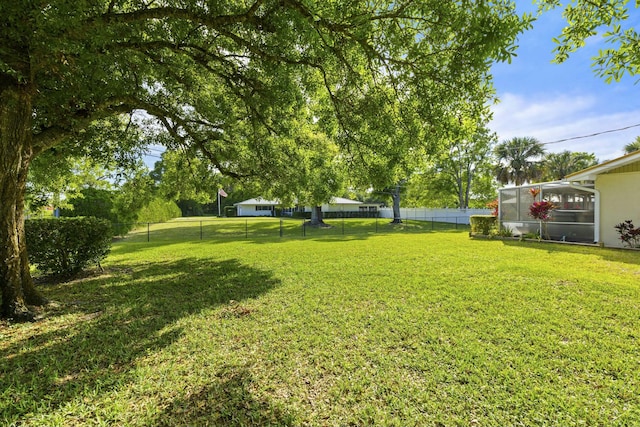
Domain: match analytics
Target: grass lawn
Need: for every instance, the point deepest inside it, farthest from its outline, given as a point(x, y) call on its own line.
point(398, 329)
point(207, 228)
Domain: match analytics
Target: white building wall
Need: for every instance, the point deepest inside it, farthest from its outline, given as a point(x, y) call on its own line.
point(619, 201)
point(250, 210)
point(341, 208)
point(458, 216)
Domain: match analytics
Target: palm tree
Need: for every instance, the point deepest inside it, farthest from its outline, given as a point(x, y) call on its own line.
point(632, 146)
point(559, 165)
point(519, 160)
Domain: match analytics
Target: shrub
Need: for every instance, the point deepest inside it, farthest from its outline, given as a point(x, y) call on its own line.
point(350, 214)
point(629, 235)
point(301, 215)
point(494, 205)
point(190, 208)
point(541, 210)
point(159, 210)
point(65, 246)
point(98, 203)
point(482, 223)
point(503, 231)
point(91, 202)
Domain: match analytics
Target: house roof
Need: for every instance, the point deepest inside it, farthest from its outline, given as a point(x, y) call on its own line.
point(258, 201)
point(263, 202)
point(590, 174)
point(343, 201)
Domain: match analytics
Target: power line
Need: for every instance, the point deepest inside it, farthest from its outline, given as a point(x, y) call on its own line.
point(591, 135)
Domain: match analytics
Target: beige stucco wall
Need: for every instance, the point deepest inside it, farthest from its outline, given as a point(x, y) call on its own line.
point(619, 201)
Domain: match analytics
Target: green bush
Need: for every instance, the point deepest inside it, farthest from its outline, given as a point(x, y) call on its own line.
point(99, 203)
point(190, 208)
point(301, 215)
point(65, 246)
point(91, 202)
point(482, 223)
point(350, 214)
point(159, 210)
point(503, 231)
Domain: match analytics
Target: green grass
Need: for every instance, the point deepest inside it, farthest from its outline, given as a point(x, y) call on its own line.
point(380, 329)
point(208, 228)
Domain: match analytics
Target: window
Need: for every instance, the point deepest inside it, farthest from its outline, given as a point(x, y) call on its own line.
point(264, 208)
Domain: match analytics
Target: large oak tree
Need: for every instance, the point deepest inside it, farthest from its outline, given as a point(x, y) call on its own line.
point(226, 76)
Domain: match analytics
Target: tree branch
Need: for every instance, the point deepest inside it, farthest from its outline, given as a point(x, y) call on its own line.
point(47, 137)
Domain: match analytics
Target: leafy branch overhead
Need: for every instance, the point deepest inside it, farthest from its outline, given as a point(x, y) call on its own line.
point(217, 69)
point(610, 20)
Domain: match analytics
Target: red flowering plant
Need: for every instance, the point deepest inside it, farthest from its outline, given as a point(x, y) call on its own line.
point(493, 205)
point(629, 234)
point(541, 210)
point(534, 192)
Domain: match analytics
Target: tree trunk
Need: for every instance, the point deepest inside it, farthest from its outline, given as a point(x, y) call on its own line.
point(467, 190)
point(395, 196)
point(316, 216)
point(460, 188)
point(16, 152)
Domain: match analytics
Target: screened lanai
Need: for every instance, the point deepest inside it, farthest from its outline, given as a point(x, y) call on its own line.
point(572, 220)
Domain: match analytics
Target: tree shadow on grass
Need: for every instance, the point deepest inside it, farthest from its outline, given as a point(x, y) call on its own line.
point(609, 254)
point(270, 235)
point(119, 317)
point(226, 401)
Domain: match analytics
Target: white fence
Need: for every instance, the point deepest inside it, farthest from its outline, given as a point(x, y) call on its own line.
point(458, 216)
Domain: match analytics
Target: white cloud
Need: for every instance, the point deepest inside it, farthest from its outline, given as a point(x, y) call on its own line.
point(558, 117)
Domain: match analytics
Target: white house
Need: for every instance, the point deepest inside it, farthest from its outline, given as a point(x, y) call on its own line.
point(589, 203)
point(257, 207)
point(337, 205)
point(617, 195)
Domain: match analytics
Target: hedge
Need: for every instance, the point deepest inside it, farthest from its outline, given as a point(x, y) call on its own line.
point(301, 215)
point(91, 202)
point(159, 210)
point(65, 246)
point(482, 223)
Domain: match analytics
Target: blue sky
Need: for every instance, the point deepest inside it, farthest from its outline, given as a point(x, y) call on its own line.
point(556, 101)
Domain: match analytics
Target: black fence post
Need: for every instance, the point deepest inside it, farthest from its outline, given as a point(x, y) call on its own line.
point(280, 227)
point(246, 228)
point(376, 224)
point(200, 230)
point(148, 232)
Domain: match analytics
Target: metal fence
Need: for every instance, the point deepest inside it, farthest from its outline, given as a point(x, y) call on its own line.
point(190, 229)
